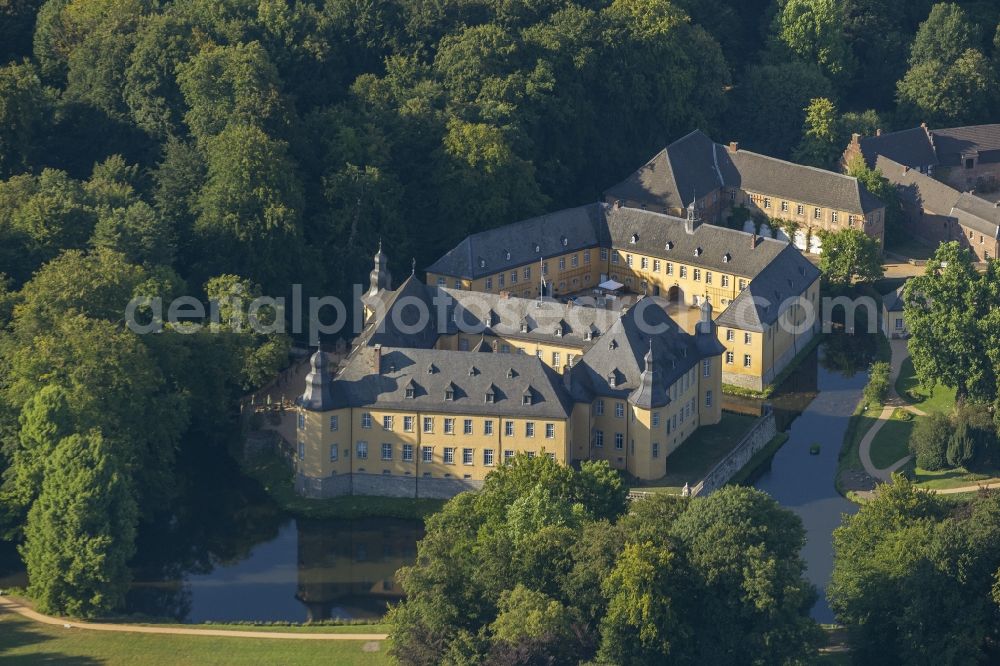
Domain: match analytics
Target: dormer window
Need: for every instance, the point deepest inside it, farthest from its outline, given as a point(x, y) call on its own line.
point(612, 380)
point(506, 255)
point(524, 327)
point(565, 241)
point(538, 248)
point(558, 331)
point(431, 369)
point(410, 392)
point(634, 239)
point(526, 396)
point(473, 371)
point(669, 245)
point(697, 252)
point(482, 263)
point(613, 345)
point(490, 397)
point(510, 374)
point(726, 257)
point(587, 335)
point(449, 394)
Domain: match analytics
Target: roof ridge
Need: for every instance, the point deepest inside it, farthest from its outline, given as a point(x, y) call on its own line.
point(801, 166)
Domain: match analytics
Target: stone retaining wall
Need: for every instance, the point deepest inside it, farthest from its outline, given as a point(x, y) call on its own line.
point(762, 432)
point(380, 485)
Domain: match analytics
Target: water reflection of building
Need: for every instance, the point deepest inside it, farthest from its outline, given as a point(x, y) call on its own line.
point(347, 568)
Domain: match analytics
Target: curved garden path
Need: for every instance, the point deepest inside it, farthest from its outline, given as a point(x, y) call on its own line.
point(900, 353)
point(10, 605)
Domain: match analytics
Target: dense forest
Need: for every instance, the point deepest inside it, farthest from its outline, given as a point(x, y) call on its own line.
point(234, 147)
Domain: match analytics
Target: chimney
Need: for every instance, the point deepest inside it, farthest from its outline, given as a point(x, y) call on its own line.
point(734, 146)
point(923, 126)
point(496, 346)
point(377, 360)
point(618, 204)
point(704, 326)
point(855, 139)
point(906, 169)
point(753, 241)
point(878, 132)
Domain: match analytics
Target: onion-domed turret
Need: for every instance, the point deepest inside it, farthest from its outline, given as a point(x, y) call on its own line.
point(318, 395)
point(380, 278)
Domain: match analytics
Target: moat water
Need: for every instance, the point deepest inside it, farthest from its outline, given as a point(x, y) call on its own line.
point(229, 553)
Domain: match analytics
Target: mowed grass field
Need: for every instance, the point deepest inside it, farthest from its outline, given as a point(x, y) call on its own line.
point(23, 641)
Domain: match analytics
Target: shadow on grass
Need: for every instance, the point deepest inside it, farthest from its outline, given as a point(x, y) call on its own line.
point(18, 633)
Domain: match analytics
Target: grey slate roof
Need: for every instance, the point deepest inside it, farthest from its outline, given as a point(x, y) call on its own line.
point(939, 198)
point(495, 315)
point(893, 302)
point(683, 170)
point(318, 395)
point(432, 372)
point(770, 293)
point(817, 187)
point(911, 147)
point(400, 325)
point(695, 166)
point(654, 231)
point(953, 141)
point(621, 350)
point(526, 241)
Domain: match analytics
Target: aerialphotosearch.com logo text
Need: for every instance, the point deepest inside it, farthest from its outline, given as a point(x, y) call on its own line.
point(447, 311)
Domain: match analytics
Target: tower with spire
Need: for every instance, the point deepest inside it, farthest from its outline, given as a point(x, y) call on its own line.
point(380, 278)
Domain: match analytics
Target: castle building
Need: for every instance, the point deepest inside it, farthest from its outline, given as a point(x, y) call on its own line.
point(766, 292)
point(443, 385)
point(948, 181)
point(716, 178)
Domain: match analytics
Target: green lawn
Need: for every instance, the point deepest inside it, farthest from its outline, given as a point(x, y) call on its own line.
point(939, 399)
point(701, 452)
point(25, 642)
point(890, 444)
point(947, 478)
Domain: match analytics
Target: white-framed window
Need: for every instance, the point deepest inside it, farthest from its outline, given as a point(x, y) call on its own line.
point(334, 424)
point(708, 398)
point(784, 206)
point(334, 452)
point(489, 284)
point(408, 424)
point(302, 450)
point(551, 456)
point(513, 277)
point(817, 213)
point(556, 358)
point(574, 261)
point(708, 277)
point(800, 209)
point(767, 202)
point(604, 254)
point(386, 451)
point(442, 282)
point(366, 420)
point(467, 427)
point(697, 275)
point(899, 323)
point(670, 268)
point(725, 280)
point(684, 271)
point(747, 338)
point(656, 419)
point(599, 438)
point(619, 441)
point(427, 454)
point(550, 430)
point(361, 451)
point(656, 265)
point(729, 358)
point(386, 423)
point(467, 457)
point(507, 454)
point(488, 457)
point(706, 367)
point(449, 455)
point(747, 361)
point(599, 407)
point(834, 216)
point(730, 335)
point(407, 452)
point(644, 263)
point(742, 284)
point(488, 427)
point(529, 429)
point(656, 449)
point(428, 424)
point(562, 263)
point(508, 428)
point(449, 426)
point(620, 410)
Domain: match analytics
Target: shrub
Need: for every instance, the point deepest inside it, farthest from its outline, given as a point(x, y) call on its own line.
point(929, 441)
point(878, 383)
